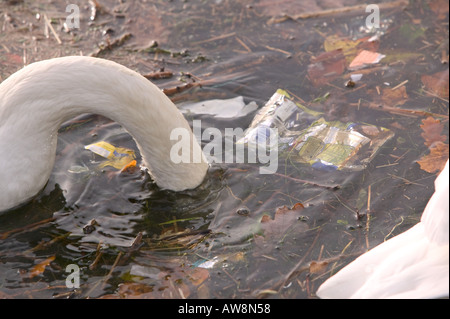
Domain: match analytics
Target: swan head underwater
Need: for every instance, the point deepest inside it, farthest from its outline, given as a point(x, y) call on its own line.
point(37, 99)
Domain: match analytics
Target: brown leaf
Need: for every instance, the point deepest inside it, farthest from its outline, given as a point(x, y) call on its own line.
point(133, 290)
point(197, 275)
point(179, 283)
point(440, 7)
point(284, 219)
point(350, 47)
point(432, 130)
point(318, 267)
point(437, 83)
point(13, 59)
point(326, 67)
point(436, 159)
point(394, 97)
point(39, 268)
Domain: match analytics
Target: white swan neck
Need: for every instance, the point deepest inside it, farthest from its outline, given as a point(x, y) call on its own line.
point(36, 100)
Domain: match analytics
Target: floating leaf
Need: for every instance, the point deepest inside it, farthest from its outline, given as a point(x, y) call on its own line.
point(440, 7)
point(436, 159)
point(394, 97)
point(318, 267)
point(432, 130)
point(40, 268)
point(131, 167)
point(326, 67)
point(349, 47)
point(437, 83)
point(438, 156)
point(197, 276)
point(284, 219)
point(178, 284)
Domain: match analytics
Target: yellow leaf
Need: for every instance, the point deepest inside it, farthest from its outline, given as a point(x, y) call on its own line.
point(349, 47)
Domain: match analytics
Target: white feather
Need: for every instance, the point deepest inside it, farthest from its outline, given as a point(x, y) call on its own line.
point(414, 264)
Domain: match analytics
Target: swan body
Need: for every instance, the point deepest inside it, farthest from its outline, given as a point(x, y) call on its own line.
point(37, 99)
point(414, 264)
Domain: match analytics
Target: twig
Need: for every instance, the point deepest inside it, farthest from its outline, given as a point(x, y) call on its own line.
point(386, 165)
point(278, 50)
point(111, 45)
point(106, 278)
point(99, 254)
point(158, 75)
point(392, 230)
point(395, 110)
point(294, 272)
point(369, 193)
point(355, 8)
point(26, 228)
point(49, 25)
point(435, 95)
point(330, 187)
point(220, 37)
point(408, 182)
point(179, 89)
point(113, 267)
point(243, 44)
point(399, 85)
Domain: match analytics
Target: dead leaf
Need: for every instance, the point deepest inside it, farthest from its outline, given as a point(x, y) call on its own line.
point(284, 219)
point(130, 168)
point(178, 284)
point(133, 290)
point(40, 268)
point(394, 97)
point(436, 159)
point(318, 267)
point(197, 275)
point(437, 83)
point(326, 67)
point(350, 47)
point(432, 130)
point(12, 59)
point(440, 7)
point(438, 156)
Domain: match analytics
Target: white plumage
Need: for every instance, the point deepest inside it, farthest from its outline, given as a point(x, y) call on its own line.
point(36, 100)
point(414, 264)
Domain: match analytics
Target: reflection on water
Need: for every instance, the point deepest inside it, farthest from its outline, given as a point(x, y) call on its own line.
point(214, 242)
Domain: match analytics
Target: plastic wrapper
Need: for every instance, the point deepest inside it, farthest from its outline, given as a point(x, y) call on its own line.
point(117, 157)
point(306, 137)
